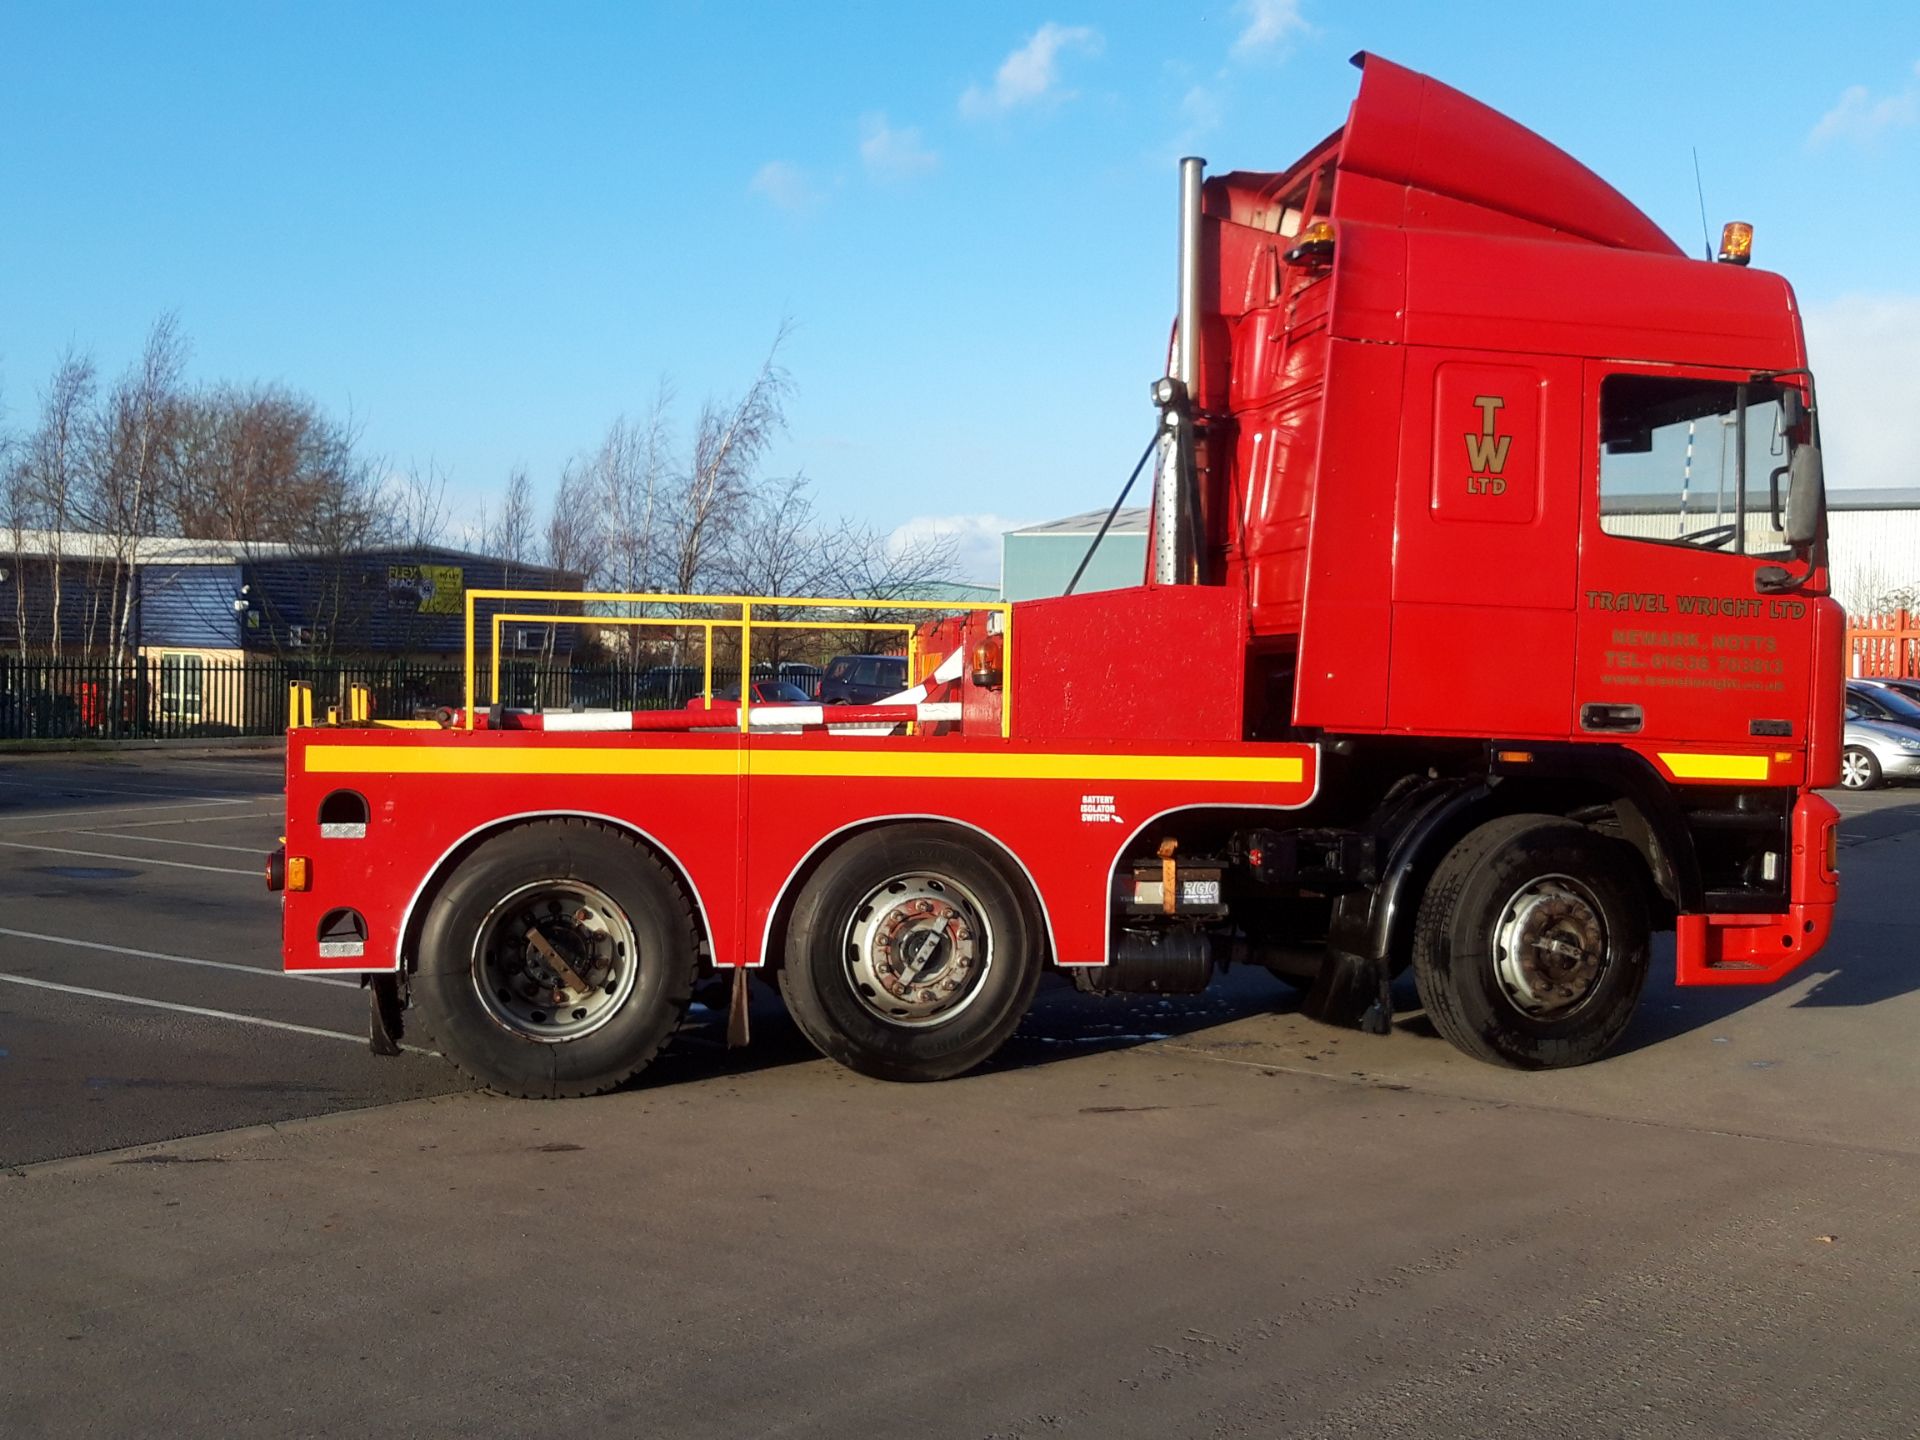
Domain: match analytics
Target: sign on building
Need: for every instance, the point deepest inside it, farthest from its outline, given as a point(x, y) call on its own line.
point(426, 589)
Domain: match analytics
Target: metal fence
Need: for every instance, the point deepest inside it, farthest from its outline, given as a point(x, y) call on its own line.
point(184, 696)
point(1885, 645)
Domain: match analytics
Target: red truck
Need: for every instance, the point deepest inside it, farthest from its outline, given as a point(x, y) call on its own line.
point(1420, 676)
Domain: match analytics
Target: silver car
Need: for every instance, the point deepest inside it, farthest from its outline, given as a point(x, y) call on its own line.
point(1877, 752)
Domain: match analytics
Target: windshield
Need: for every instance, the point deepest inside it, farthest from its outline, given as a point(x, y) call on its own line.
point(1692, 461)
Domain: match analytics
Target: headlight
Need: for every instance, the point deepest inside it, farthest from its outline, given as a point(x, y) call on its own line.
point(1908, 744)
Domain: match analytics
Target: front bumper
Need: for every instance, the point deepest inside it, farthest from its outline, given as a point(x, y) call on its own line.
point(1898, 765)
point(1760, 949)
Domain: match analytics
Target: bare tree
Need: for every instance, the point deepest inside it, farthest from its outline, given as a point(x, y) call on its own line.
point(871, 565)
point(417, 504)
point(510, 536)
point(729, 442)
point(122, 504)
point(574, 538)
point(53, 470)
point(632, 470)
point(772, 546)
point(13, 516)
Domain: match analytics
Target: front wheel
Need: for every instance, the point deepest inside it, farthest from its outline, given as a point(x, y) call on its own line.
point(912, 954)
point(1531, 943)
point(556, 961)
point(1858, 769)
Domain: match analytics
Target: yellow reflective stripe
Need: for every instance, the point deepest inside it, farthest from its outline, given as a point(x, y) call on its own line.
point(904, 765)
point(520, 760)
point(814, 764)
point(1687, 766)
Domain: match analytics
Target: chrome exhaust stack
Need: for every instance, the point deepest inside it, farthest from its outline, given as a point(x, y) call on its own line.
point(1173, 557)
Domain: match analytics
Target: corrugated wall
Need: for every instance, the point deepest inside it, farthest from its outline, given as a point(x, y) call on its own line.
point(1035, 566)
point(366, 607)
point(189, 606)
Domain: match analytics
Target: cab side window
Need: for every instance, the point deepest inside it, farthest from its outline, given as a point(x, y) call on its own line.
point(1672, 453)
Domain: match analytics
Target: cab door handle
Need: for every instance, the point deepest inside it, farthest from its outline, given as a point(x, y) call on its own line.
point(1614, 719)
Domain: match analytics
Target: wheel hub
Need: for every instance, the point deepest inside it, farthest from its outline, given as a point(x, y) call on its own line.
point(555, 960)
point(917, 950)
point(1550, 947)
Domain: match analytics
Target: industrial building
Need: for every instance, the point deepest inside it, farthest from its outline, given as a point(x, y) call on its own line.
point(1039, 560)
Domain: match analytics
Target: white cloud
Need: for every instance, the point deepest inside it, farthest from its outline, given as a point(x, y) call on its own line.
point(976, 541)
point(1269, 26)
point(1865, 351)
point(1031, 73)
point(891, 154)
point(786, 187)
point(1861, 118)
point(1200, 111)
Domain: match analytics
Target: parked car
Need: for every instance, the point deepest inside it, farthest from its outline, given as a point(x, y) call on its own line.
point(1901, 685)
point(1877, 751)
point(1877, 701)
point(765, 692)
point(863, 679)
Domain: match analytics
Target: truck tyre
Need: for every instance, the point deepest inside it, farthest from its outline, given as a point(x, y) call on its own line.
point(1530, 946)
point(556, 961)
point(912, 954)
point(1858, 769)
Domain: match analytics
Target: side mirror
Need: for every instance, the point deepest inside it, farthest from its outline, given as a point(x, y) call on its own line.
point(1793, 409)
point(1806, 493)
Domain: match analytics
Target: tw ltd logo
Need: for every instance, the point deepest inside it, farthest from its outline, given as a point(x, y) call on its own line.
point(1487, 451)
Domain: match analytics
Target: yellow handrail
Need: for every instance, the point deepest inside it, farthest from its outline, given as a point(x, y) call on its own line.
point(745, 624)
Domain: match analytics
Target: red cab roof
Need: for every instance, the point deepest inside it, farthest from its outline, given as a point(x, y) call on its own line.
point(1417, 154)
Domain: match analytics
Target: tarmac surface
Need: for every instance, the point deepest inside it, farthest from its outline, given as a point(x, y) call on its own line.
point(1147, 1218)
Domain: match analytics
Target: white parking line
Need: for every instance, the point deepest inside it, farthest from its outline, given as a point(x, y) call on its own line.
point(219, 819)
point(167, 840)
point(130, 859)
point(182, 1009)
point(177, 959)
point(234, 797)
point(89, 812)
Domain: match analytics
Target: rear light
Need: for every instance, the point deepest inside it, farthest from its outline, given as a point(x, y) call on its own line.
point(986, 663)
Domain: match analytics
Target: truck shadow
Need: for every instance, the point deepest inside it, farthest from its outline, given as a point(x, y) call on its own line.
point(1065, 1024)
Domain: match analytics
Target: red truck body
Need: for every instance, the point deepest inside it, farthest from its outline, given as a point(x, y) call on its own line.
point(1401, 643)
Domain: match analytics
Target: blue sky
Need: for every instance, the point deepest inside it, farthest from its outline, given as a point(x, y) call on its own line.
point(486, 230)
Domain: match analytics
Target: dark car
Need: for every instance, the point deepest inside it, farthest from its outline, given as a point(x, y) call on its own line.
point(765, 692)
point(1904, 684)
point(863, 679)
point(1878, 701)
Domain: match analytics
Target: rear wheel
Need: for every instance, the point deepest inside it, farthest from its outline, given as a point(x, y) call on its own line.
point(912, 954)
point(1531, 943)
point(556, 961)
point(1858, 769)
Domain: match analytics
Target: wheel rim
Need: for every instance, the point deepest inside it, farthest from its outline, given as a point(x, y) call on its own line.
point(918, 949)
point(1550, 947)
point(1855, 771)
point(555, 960)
